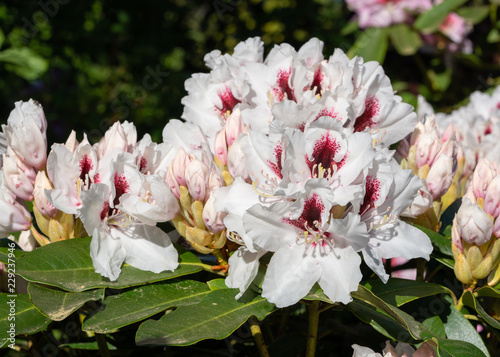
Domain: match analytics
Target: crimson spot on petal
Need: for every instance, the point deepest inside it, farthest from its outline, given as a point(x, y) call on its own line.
point(365, 120)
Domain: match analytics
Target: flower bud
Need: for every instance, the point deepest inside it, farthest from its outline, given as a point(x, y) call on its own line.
point(17, 177)
point(71, 143)
point(473, 224)
point(234, 127)
point(172, 182)
point(179, 165)
point(15, 216)
point(213, 219)
point(236, 162)
point(41, 183)
point(481, 178)
point(440, 176)
point(26, 133)
point(492, 198)
point(196, 179)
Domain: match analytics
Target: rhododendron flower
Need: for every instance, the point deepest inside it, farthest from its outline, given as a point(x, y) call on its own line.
point(401, 350)
point(377, 13)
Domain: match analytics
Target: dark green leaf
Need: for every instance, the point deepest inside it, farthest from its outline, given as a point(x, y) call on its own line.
point(58, 304)
point(398, 292)
point(89, 346)
point(27, 319)
point(405, 40)
point(216, 316)
point(371, 44)
point(4, 254)
point(435, 325)
point(382, 323)
point(413, 327)
point(139, 303)
point(67, 265)
point(317, 294)
point(430, 20)
point(474, 14)
point(456, 348)
point(457, 327)
point(439, 241)
point(470, 300)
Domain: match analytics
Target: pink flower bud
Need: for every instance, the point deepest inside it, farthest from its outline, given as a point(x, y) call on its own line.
point(481, 178)
point(17, 178)
point(25, 133)
point(179, 165)
point(215, 180)
point(196, 179)
point(473, 224)
point(454, 27)
point(427, 148)
point(41, 183)
point(440, 176)
point(172, 182)
point(213, 219)
point(220, 146)
point(492, 198)
point(496, 228)
point(234, 127)
point(15, 216)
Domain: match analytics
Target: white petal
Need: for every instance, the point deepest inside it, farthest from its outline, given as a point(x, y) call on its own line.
point(107, 253)
point(340, 274)
point(148, 248)
point(290, 275)
point(243, 268)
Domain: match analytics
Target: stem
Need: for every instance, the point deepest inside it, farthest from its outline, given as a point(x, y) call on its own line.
point(312, 336)
point(257, 335)
point(103, 345)
point(420, 269)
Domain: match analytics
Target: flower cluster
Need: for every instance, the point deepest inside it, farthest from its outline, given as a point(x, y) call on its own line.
point(303, 145)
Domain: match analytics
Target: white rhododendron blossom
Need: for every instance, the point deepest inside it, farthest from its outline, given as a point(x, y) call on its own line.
point(314, 184)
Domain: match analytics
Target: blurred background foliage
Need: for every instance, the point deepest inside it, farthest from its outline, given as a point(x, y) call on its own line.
point(95, 62)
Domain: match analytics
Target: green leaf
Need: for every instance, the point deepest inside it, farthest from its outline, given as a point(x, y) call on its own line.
point(317, 293)
point(405, 40)
point(2, 38)
point(27, 319)
point(435, 325)
point(493, 36)
point(142, 302)
point(457, 327)
point(67, 265)
point(89, 346)
point(217, 284)
point(470, 300)
point(349, 28)
point(4, 254)
point(457, 348)
point(413, 327)
point(474, 14)
point(398, 292)
point(442, 243)
point(371, 44)
point(430, 20)
point(58, 304)
point(382, 323)
point(216, 316)
point(24, 62)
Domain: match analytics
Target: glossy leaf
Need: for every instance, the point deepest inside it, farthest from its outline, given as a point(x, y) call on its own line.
point(435, 325)
point(88, 346)
point(405, 40)
point(58, 304)
point(371, 44)
point(217, 284)
point(471, 300)
point(142, 302)
point(456, 348)
point(382, 323)
point(317, 294)
point(216, 316)
point(27, 318)
point(67, 265)
point(457, 327)
point(398, 292)
point(430, 20)
point(439, 241)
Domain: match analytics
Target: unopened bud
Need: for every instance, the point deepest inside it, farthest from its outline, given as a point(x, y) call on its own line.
point(473, 224)
point(42, 203)
point(213, 219)
point(196, 179)
point(462, 269)
point(492, 198)
point(440, 176)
